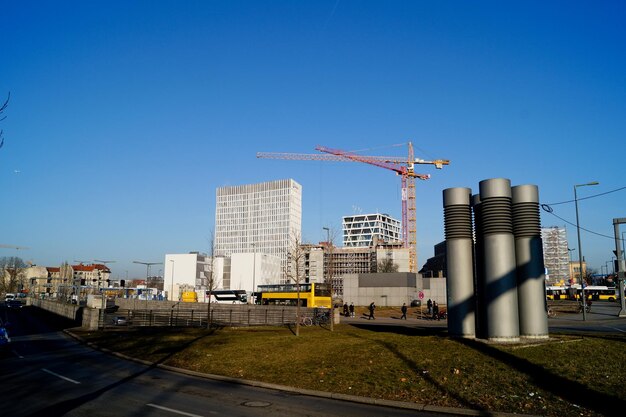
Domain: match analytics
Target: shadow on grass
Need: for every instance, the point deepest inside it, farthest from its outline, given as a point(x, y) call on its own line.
point(292, 327)
point(66, 406)
point(403, 330)
point(567, 389)
point(413, 366)
point(564, 388)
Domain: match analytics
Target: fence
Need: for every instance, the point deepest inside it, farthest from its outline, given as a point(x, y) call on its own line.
point(196, 315)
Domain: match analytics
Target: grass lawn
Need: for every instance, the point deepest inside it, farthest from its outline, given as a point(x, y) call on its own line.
point(403, 364)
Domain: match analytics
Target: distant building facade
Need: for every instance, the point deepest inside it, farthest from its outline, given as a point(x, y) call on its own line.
point(322, 260)
point(574, 267)
point(187, 270)
point(258, 218)
point(364, 230)
point(435, 267)
point(96, 275)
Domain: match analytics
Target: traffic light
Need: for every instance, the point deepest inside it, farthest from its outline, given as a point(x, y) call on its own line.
point(122, 283)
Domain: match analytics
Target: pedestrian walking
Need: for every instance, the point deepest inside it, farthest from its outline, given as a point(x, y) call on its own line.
point(345, 309)
point(351, 309)
point(403, 309)
point(372, 308)
point(429, 304)
point(435, 311)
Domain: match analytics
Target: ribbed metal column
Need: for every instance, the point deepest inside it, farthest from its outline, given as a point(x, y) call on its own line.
point(459, 262)
point(499, 246)
point(479, 270)
point(529, 257)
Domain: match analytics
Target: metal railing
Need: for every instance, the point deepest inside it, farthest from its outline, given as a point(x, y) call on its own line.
point(221, 315)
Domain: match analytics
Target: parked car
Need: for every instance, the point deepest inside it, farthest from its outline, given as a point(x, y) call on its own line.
point(14, 304)
point(119, 320)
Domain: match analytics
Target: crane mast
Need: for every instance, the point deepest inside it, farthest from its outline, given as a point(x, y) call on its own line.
point(404, 167)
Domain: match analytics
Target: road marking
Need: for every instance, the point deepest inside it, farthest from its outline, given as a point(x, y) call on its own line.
point(172, 410)
point(60, 376)
point(17, 354)
point(615, 328)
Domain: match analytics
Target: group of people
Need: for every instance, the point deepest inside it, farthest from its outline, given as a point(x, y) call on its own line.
point(348, 310)
point(433, 310)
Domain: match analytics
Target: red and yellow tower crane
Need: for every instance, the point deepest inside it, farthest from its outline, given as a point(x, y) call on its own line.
point(402, 166)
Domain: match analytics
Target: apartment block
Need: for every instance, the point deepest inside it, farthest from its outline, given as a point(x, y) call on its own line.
point(365, 230)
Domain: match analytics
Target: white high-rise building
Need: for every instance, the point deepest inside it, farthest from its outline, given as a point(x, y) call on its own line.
point(258, 218)
point(370, 229)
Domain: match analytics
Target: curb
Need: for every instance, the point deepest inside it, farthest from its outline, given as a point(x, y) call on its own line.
point(304, 391)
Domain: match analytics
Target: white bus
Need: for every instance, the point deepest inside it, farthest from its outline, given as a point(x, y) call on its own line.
point(228, 296)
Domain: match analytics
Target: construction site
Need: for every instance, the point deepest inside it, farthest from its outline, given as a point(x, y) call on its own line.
point(401, 166)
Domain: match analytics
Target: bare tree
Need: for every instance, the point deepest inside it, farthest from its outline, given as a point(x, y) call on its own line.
point(329, 276)
point(387, 265)
point(211, 278)
point(3, 107)
point(294, 270)
point(13, 271)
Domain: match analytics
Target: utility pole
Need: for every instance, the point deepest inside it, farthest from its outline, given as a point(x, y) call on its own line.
point(105, 264)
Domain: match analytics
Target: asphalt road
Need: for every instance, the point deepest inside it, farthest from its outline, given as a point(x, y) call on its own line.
point(48, 373)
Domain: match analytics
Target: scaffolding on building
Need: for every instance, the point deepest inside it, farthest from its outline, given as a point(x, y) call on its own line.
point(556, 254)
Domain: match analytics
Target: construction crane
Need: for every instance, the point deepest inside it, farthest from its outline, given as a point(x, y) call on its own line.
point(104, 262)
point(404, 167)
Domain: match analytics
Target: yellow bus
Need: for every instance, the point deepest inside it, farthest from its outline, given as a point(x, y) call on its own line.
point(592, 292)
point(311, 295)
point(556, 293)
point(599, 292)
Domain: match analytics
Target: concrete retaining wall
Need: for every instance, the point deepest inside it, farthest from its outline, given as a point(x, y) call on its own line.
point(70, 311)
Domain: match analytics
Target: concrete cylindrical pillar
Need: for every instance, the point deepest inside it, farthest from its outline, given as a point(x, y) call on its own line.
point(479, 270)
point(499, 254)
point(459, 263)
point(529, 257)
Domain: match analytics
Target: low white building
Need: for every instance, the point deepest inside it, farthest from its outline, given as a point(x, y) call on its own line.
point(185, 270)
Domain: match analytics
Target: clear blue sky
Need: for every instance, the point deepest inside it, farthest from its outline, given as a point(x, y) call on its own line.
point(126, 116)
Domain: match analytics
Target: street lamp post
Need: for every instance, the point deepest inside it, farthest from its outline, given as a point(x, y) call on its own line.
point(327, 245)
point(171, 297)
point(253, 273)
point(580, 251)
